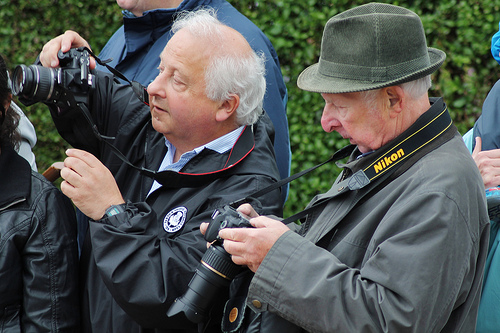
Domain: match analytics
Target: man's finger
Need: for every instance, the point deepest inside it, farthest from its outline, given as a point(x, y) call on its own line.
point(477, 148)
point(247, 210)
point(203, 227)
point(84, 156)
point(229, 234)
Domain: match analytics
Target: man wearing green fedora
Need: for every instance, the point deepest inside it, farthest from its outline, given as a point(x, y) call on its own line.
point(399, 243)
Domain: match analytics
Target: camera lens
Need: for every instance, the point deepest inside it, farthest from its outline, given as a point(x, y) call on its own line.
point(34, 82)
point(215, 272)
point(213, 275)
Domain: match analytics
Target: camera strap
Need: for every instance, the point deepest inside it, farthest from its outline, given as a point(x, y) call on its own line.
point(138, 88)
point(182, 180)
point(173, 179)
point(337, 156)
point(243, 146)
point(379, 170)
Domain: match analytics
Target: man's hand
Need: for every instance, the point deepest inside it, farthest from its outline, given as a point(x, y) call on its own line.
point(488, 162)
point(89, 184)
point(245, 209)
point(249, 246)
point(70, 39)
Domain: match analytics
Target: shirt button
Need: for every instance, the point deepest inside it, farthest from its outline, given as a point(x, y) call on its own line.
point(257, 304)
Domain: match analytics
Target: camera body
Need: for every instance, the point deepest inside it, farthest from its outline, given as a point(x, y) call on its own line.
point(225, 217)
point(214, 273)
point(66, 87)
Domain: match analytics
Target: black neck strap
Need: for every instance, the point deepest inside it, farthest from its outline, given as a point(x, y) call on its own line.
point(378, 170)
point(402, 150)
point(172, 179)
point(337, 156)
point(243, 146)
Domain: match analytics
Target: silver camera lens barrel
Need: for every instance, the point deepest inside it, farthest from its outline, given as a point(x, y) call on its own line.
point(34, 82)
point(19, 80)
point(45, 80)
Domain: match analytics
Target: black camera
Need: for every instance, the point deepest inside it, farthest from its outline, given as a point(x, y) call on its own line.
point(214, 273)
point(66, 86)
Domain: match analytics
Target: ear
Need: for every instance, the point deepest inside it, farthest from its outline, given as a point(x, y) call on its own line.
point(395, 100)
point(227, 108)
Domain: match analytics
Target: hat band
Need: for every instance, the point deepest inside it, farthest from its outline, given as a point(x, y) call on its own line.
point(373, 74)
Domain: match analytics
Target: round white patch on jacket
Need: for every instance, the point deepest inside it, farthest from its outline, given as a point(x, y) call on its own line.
point(175, 219)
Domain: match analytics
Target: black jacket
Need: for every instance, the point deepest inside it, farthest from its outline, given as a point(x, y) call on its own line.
point(134, 268)
point(38, 252)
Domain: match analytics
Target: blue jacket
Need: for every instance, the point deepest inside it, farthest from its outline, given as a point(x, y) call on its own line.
point(136, 46)
point(486, 127)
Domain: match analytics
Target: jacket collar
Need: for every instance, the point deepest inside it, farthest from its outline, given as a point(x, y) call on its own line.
point(15, 177)
point(437, 110)
point(243, 146)
point(144, 30)
point(437, 107)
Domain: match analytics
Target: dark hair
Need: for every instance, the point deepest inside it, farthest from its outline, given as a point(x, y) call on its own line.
point(8, 133)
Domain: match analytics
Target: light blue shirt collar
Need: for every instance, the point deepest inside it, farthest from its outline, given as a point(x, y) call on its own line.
point(220, 145)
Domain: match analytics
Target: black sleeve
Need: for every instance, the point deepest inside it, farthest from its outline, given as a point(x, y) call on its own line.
point(50, 278)
point(145, 273)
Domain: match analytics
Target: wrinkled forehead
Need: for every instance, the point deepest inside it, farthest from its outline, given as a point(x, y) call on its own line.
point(186, 55)
point(220, 40)
point(185, 41)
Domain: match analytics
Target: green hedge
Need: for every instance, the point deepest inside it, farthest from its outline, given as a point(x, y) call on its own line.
point(28, 25)
point(462, 29)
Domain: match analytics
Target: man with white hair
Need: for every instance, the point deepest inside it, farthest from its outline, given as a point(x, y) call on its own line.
point(210, 141)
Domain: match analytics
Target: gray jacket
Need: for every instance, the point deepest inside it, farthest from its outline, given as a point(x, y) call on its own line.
point(408, 257)
point(28, 135)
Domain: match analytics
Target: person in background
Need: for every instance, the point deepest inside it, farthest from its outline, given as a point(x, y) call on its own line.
point(399, 243)
point(206, 131)
point(28, 134)
point(483, 142)
point(39, 258)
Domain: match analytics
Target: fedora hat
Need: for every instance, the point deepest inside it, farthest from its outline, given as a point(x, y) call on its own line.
point(369, 47)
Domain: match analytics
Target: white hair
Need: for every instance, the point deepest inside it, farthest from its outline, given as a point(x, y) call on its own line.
point(228, 72)
point(415, 89)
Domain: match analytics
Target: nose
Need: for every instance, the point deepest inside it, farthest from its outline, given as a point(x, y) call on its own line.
point(328, 120)
point(154, 88)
